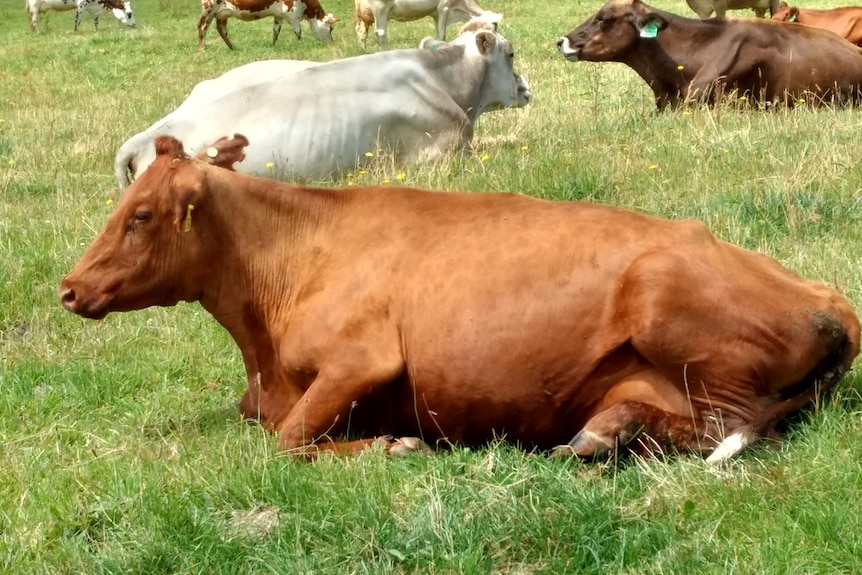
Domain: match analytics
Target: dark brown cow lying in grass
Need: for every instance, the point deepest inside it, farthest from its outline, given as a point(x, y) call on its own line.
point(846, 22)
point(687, 59)
point(465, 316)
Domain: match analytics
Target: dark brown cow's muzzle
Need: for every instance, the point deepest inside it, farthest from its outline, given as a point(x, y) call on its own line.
point(567, 49)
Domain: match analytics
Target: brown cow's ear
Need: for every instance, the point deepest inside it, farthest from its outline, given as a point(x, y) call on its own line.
point(649, 25)
point(486, 41)
point(169, 146)
point(225, 152)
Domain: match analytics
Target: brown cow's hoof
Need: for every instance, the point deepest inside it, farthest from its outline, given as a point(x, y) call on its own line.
point(584, 444)
point(407, 445)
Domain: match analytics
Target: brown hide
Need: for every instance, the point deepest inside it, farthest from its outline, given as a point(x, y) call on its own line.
point(465, 317)
point(705, 59)
point(846, 22)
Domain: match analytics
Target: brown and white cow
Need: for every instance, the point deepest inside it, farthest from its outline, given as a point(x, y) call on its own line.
point(704, 8)
point(294, 11)
point(684, 59)
point(444, 12)
point(846, 22)
point(467, 317)
point(121, 9)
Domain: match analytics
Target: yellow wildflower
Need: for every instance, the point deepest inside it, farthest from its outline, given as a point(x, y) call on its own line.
point(369, 154)
point(401, 176)
point(270, 165)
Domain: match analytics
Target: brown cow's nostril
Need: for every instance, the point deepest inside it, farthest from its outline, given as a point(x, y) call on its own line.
point(67, 297)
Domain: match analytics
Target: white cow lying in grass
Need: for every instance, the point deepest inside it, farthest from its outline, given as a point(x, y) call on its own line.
point(444, 12)
point(121, 10)
point(307, 121)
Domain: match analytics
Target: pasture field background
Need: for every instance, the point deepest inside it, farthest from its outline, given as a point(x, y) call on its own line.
point(122, 448)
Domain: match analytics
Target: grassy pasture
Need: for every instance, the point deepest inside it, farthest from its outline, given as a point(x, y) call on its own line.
point(122, 448)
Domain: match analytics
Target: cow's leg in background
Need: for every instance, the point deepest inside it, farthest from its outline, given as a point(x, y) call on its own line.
point(221, 26)
point(208, 12)
point(276, 28)
point(79, 14)
point(33, 14)
point(381, 21)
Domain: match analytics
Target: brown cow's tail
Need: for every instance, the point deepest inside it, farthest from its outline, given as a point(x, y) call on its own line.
point(815, 384)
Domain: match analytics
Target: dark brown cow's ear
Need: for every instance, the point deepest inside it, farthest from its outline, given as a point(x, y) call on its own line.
point(170, 146)
point(225, 152)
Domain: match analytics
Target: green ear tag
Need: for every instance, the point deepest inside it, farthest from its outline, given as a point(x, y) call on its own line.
point(649, 30)
point(792, 18)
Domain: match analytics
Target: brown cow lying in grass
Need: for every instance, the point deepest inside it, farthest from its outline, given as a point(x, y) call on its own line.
point(846, 22)
point(464, 317)
point(684, 59)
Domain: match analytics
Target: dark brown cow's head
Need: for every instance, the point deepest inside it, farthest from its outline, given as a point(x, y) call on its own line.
point(786, 13)
point(150, 251)
point(612, 31)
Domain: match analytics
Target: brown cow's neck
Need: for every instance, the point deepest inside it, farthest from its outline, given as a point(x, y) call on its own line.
point(263, 232)
point(658, 60)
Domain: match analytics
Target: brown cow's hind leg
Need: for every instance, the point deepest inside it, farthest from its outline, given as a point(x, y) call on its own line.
point(640, 427)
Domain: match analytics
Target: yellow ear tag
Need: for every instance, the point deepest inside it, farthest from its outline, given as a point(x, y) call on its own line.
point(188, 223)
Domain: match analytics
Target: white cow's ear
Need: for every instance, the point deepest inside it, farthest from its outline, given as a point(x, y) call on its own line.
point(486, 42)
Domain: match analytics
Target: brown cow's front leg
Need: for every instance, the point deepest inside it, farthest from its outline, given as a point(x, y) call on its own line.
point(627, 421)
point(221, 26)
point(325, 407)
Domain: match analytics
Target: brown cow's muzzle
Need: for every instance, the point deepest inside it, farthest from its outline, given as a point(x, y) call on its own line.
point(88, 308)
point(567, 49)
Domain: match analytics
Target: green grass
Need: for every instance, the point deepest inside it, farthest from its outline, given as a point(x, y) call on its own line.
point(122, 449)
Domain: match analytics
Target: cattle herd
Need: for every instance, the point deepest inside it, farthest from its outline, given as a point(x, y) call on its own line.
point(458, 317)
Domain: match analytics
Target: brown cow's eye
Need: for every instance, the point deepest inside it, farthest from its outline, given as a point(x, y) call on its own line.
point(143, 216)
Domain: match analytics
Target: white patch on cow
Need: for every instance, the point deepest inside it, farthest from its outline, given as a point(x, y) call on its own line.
point(730, 446)
point(564, 45)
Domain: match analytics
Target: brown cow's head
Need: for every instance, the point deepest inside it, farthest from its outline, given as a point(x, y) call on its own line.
point(150, 251)
point(786, 13)
point(612, 31)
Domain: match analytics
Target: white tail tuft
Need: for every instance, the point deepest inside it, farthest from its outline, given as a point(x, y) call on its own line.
point(730, 446)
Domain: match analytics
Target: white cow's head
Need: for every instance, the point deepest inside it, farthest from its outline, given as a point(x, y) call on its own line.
point(322, 27)
point(124, 14)
point(501, 86)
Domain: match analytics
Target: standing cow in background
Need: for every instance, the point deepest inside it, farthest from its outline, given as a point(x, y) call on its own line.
point(846, 22)
point(684, 59)
point(294, 11)
point(465, 317)
point(122, 10)
point(320, 121)
point(704, 8)
point(444, 12)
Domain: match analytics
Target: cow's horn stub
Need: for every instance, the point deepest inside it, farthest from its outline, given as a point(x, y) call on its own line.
point(168, 145)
